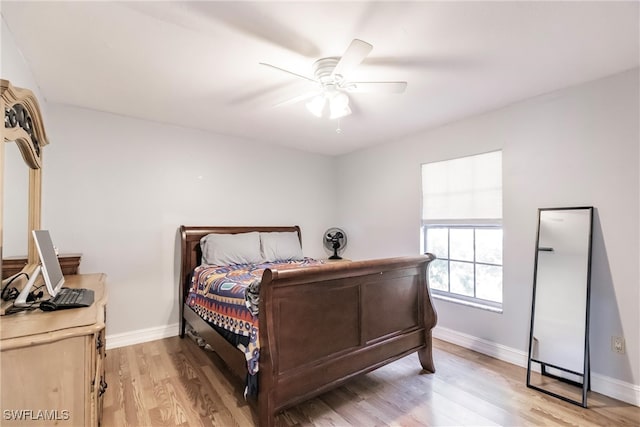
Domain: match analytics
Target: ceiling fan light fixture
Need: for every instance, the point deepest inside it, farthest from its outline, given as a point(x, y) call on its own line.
point(331, 103)
point(316, 105)
point(339, 106)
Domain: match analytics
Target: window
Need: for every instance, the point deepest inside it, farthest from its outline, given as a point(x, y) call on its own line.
point(462, 227)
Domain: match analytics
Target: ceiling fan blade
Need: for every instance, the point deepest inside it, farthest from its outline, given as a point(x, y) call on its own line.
point(376, 87)
point(431, 62)
point(354, 55)
point(298, 98)
point(287, 71)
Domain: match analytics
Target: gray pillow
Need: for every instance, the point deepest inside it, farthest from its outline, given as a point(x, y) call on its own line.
point(228, 249)
point(281, 246)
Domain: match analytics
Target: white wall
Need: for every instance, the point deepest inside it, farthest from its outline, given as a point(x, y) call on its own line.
point(116, 189)
point(14, 67)
point(574, 147)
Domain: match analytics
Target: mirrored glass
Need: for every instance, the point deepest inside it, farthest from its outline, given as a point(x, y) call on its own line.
point(15, 203)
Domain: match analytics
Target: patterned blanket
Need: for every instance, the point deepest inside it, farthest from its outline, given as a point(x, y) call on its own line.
point(227, 296)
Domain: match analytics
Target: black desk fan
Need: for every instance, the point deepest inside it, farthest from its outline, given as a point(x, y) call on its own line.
point(334, 241)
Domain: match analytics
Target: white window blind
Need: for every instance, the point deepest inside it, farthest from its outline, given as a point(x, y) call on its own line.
point(462, 189)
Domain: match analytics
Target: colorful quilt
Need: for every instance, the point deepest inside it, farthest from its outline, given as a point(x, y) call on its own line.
point(227, 296)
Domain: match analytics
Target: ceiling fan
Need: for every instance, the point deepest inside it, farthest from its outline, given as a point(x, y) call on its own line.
point(330, 98)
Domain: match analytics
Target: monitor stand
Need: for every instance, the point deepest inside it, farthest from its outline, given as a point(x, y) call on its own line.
point(21, 301)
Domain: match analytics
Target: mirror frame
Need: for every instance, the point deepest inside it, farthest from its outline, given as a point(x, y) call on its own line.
point(586, 372)
point(23, 125)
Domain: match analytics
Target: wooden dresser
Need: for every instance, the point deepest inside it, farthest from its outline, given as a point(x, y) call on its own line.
point(52, 363)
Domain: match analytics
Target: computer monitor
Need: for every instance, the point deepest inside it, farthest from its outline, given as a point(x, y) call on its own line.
point(51, 270)
point(49, 267)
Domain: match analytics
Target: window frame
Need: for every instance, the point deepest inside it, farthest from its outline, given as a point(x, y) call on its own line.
point(468, 224)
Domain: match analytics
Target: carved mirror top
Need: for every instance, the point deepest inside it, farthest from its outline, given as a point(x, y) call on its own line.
point(23, 123)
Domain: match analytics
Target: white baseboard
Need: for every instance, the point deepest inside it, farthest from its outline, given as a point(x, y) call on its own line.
point(616, 389)
point(142, 335)
point(627, 392)
point(498, 351)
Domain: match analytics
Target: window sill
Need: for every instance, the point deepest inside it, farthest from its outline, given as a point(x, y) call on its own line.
point(467, 303)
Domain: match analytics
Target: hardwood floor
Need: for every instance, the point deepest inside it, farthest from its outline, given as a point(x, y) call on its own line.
point(173, 382)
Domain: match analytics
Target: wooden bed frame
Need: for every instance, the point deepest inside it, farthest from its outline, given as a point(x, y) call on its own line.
point(321, 325)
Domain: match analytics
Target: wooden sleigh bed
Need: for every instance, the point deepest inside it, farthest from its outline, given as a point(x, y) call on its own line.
point(362, 315)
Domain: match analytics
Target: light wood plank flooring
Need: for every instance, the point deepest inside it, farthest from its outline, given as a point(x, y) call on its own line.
point(173, 382)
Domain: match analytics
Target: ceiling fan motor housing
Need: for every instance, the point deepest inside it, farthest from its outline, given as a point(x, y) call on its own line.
point(323, 71)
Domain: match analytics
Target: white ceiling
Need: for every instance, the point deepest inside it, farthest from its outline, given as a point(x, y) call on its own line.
point(195, 64)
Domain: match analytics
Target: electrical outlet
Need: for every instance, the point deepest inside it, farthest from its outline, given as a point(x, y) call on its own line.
point(617, 345)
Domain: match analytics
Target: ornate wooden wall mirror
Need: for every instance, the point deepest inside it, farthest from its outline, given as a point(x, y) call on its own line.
point(559, 336)
point(23, 137)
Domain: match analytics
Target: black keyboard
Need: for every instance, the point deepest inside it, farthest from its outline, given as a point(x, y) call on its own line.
point(69, 298)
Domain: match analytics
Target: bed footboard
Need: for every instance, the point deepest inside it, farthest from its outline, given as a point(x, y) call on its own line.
point(320, 326)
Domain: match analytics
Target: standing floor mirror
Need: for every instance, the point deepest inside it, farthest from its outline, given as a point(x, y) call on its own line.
point(558, 362)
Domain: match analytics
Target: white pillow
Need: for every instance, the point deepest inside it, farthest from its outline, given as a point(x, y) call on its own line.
point(281, 246)
point(227, 249)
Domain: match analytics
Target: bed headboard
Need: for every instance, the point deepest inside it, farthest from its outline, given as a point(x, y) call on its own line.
point(191, 254)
